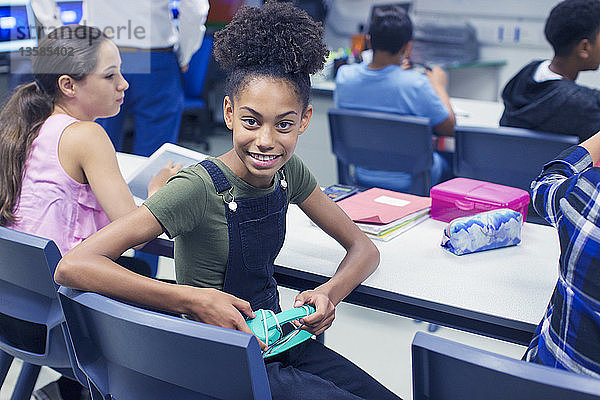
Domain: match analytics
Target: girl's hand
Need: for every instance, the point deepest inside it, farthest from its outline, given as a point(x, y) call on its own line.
point(159, 180)
point(218, 308)
point(323, 317)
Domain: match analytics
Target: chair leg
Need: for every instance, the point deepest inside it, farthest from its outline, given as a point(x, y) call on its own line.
point(27, 378)
point(5, 361)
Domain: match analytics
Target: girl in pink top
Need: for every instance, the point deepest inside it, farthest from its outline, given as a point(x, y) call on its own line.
point(52, 203)
point(59, 177)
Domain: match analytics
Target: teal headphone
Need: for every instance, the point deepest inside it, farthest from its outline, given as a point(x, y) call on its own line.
point(267, 327)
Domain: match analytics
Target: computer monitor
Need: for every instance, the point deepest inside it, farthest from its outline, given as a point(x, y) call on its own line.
point(71, 11)
point(17, 25)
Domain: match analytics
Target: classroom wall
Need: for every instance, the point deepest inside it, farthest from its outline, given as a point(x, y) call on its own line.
point(510, 30)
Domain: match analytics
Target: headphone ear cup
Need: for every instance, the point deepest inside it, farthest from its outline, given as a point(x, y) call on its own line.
point(257, 326)
point(267, 327)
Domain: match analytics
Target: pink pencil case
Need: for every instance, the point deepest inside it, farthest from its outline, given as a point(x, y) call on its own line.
point(461, 197)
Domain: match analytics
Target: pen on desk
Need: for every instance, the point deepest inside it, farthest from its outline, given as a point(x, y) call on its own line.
point(460, 113)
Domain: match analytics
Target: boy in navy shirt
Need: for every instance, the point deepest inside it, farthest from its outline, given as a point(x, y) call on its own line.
point(543, 96)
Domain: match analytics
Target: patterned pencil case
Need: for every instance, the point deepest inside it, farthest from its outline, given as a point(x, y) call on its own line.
point(483, 231)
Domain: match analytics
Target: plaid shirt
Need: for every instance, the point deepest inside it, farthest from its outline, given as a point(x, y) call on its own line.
point(567, 194)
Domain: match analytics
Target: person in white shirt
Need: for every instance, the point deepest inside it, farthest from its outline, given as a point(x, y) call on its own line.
point(154, 52)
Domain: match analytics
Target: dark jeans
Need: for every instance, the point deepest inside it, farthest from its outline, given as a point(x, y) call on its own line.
point(312, 371)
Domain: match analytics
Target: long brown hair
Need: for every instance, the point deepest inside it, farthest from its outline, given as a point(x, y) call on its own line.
point(75, 53)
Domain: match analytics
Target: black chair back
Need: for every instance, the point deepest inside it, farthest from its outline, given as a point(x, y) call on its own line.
point(443, 369)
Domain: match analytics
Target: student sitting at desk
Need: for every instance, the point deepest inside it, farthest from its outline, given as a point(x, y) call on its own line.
point(228, 214)
point(59, 177)
point(567, 194)
point(543, 96)
point(388, 84)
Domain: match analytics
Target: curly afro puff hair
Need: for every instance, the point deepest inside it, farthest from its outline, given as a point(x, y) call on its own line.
point(277, 40)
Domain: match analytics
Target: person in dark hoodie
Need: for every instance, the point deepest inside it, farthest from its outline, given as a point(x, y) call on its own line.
point(543, 96)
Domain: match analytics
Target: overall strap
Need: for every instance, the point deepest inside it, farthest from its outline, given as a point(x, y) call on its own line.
point(218, 177)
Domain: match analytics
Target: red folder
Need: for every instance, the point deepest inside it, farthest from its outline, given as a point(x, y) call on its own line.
point(381, 206)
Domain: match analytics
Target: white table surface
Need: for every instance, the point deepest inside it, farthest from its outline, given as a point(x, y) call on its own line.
point(477, 112)
point(513, 282)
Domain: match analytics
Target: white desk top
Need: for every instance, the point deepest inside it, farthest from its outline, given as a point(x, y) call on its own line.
point(470, 112)
point(513, 282)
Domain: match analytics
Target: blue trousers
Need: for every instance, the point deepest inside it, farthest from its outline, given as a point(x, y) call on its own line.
point(312, 371)
point(154, 98)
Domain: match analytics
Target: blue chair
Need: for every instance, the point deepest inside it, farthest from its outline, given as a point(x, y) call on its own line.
point(31, 319)
point(508, 156)
point(505, 155)
point(443, 369)
point(195, 110)
point(382, 141)
point(132, 353)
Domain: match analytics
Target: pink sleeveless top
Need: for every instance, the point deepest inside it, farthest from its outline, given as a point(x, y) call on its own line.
point(52, 204)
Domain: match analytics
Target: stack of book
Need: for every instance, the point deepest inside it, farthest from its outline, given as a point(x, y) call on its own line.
point(384, 214)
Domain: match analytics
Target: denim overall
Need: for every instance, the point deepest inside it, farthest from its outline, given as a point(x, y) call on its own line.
point(256, 232)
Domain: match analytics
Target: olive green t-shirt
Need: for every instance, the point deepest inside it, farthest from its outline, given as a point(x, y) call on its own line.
point(190, 210)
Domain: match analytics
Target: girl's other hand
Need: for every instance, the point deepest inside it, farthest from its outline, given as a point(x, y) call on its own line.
point(218, 308)
point(317, 322)
point(159, 180)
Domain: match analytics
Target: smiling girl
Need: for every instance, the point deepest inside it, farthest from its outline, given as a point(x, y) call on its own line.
point(227, 214)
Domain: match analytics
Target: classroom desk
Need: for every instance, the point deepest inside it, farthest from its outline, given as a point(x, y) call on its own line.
point(501, 293)
point(470, 112)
